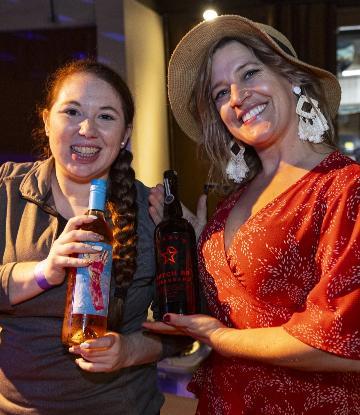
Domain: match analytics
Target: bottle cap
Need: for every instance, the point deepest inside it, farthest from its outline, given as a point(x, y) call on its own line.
point(97, 194)
point(100, 184)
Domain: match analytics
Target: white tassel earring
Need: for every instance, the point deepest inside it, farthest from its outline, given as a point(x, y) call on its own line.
point(236, 168)
point(312, 123)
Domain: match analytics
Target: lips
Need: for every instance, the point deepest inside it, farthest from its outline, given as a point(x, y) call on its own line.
point(252, 113)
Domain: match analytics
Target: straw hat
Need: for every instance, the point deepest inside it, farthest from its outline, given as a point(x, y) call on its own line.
point(189, 54)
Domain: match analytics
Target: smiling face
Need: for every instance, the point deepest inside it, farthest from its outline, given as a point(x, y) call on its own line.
point(86, 127)
point(256, 104)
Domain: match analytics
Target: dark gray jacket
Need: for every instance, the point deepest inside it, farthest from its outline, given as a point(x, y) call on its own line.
point(37, 375)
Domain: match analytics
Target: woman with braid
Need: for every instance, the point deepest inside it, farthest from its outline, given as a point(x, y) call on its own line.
point(87, 119)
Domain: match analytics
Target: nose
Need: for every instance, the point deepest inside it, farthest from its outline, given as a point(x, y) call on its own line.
point(88, 128)
point(238, 96)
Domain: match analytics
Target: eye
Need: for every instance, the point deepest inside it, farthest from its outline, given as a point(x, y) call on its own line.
point(71, 111)
point(107, 117)
point(249, 74)
point(222, 94)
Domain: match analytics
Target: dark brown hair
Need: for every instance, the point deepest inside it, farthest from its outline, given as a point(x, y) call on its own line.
point(215, 137)
point(121, 204)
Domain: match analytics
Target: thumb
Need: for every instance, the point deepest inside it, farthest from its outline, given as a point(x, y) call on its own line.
point(103, 343)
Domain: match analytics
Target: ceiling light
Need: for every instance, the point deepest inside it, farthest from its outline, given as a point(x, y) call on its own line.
point(348, 28)
point(210, 14)
point(351, 72)
point(349, 146)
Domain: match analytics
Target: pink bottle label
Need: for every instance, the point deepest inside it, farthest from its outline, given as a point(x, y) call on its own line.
point(92, 286)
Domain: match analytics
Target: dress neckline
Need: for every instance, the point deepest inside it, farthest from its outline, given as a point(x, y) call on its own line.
point(238, 194)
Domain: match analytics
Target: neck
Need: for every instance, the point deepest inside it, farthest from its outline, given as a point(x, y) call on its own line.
point(293, 153)
point(71, 198)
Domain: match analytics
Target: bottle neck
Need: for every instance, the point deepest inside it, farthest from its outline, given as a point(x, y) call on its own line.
point(172, 205)
point(97, 200)
point(172, 211)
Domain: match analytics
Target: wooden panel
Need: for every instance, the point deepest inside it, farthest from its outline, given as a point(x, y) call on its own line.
point(178, 405)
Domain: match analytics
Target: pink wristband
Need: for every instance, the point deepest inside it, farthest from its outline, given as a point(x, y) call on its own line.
point(40, 277)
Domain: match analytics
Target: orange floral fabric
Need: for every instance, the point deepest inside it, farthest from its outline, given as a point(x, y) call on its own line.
point(296, 264)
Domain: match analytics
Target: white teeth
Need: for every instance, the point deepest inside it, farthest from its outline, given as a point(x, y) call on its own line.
point(85, 150)
point(253, 112)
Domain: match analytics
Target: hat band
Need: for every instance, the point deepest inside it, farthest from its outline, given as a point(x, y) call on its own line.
point(282, 46)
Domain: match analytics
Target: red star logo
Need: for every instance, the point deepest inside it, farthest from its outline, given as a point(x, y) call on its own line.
point(169, 255)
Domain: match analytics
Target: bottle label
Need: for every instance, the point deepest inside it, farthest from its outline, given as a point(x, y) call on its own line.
point(175, 268)
point(92, 286)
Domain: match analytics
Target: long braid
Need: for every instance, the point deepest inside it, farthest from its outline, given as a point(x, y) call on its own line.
point(122, 208)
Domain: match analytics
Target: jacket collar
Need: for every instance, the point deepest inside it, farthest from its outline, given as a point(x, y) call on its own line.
point(36, 185)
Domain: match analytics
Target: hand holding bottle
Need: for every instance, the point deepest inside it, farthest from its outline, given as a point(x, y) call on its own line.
point(66, 247)
point(115, 351)
point(156, 209)
point(105, 354)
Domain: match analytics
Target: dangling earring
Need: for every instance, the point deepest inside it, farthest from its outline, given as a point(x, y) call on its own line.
point(312, 124)
point(236, 168)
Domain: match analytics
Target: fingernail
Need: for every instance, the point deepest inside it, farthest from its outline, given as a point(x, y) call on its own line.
point(166, 318)
point(92, 217)
point(84, 345)
point(97, 247)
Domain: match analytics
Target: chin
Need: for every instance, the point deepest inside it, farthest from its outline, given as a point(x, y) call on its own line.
point(83, 177)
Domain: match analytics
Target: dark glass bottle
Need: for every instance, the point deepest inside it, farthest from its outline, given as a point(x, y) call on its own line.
point(176, 263)
point(87, 296)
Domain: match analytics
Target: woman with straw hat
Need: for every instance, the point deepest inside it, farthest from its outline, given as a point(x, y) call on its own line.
point(280, 258)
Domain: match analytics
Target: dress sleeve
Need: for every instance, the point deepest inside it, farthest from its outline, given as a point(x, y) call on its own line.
point(330, 318)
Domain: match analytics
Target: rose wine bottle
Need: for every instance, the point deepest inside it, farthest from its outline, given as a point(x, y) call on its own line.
point(176, 263)
point(87, 296)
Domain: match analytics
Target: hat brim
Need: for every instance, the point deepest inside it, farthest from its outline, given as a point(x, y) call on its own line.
point(188, 56)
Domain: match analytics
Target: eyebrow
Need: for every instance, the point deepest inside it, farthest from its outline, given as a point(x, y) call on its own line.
point(238, 69)
point(110, 108)
point(106, 107)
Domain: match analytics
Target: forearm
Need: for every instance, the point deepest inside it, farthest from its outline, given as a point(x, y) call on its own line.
point(22, 284)
point(142, 348)
point(146, 347)
point(275, 346)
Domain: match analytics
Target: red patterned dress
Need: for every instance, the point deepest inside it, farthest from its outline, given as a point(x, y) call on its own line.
point(295, 264)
